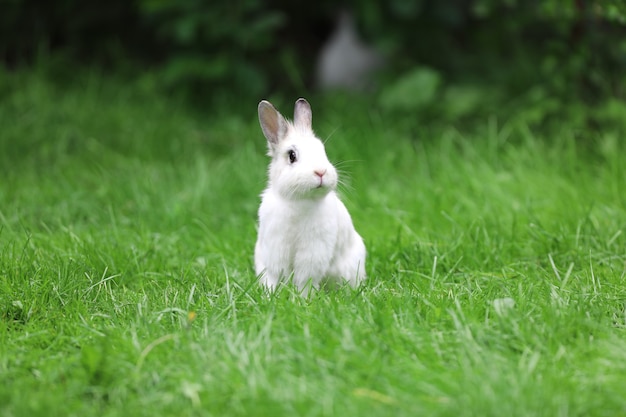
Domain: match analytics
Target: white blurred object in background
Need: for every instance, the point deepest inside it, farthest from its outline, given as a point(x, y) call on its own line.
point(346, 62)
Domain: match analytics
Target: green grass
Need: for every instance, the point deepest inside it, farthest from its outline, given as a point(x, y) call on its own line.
point(127, 225)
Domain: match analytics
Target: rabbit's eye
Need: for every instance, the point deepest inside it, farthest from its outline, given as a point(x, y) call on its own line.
point(292, 156)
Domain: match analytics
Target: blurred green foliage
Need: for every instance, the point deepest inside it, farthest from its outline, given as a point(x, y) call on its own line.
point(247, 48)
point(213, 42)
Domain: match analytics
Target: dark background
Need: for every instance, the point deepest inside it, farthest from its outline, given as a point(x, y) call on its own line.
point(205, 49)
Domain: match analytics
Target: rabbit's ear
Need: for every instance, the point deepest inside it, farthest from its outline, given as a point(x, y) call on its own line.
point(273, 124)
point(302, 115)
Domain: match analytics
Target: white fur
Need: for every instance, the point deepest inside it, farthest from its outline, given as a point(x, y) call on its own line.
point(305, 231)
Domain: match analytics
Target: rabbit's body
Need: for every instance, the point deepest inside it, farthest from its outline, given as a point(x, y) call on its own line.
point(294, 240)
point(305, 231)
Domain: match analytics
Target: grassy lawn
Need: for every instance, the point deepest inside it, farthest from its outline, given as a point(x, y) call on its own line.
point(496, 263)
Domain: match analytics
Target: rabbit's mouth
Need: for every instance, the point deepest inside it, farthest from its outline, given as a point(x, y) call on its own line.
point(323, 184)
point(321, 187)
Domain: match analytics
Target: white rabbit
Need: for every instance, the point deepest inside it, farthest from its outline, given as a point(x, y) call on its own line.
point(305, 231)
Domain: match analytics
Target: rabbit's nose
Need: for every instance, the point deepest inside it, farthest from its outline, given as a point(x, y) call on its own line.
point(320, 173)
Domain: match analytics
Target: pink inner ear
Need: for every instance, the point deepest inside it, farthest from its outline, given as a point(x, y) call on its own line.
point(271, 122)
point(303, 116)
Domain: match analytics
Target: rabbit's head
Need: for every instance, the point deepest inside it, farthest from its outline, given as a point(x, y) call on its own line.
point(300, 168)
